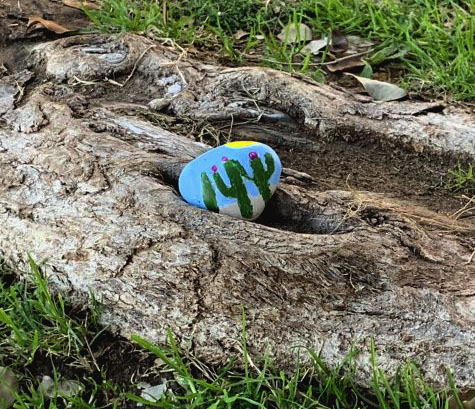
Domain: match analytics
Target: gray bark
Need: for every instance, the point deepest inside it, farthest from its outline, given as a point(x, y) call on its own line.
point(91, 191)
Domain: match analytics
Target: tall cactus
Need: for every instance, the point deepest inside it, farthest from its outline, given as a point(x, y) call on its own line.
point(260, 176)
point(238, 190)
point(209, 195)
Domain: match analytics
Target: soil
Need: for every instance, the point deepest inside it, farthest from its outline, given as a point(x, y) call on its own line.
point(362, 164)
point(14, 31)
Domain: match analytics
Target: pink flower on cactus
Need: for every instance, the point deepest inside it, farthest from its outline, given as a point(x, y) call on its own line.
point(224, 159)
point(253, 155)
point(214, 168)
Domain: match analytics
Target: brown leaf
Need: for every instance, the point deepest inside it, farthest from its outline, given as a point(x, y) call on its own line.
point(48, 24)
point(240, 34)
point(345, 63)
point(339, 43)
point(8, 387)
point(75, 4)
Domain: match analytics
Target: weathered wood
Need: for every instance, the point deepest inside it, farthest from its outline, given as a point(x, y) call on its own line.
point(92, 191)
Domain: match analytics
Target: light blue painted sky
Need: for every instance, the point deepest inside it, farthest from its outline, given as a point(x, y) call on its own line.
point(190, 178)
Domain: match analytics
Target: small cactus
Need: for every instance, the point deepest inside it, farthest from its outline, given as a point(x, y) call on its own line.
point(235, 173)
point(260, 176)
point(209, 195)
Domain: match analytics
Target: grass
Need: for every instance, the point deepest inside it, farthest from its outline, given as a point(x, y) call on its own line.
point(462, 178)
point(428, 45)
point(41, 335)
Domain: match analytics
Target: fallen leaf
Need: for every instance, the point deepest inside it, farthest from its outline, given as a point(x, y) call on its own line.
point(467, 398)
point(75, 4)
point(153, 393)
point(359, 43)
point(293, 33)
point(339, 43)
point(315, 46)
point(380, 91)
point(65, 387)
point(345, 63)
point(8, 387)
point(48, 24)
point(240, 34)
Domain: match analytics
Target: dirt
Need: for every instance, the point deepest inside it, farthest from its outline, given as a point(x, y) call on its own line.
point(123, 364)
point(14, 31)
point(362, 164)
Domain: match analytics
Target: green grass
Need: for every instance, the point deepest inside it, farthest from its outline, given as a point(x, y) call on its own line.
point(462, 178)
point(35, 320)
point(264, 386)
point(41, 335)
point(38, 334)
point(428, 44)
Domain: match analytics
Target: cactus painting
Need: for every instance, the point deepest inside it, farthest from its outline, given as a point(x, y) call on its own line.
point(245, 175)
point(209, 196)
point(237, 188)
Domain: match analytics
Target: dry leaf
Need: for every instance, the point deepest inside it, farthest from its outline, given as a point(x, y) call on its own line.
point(48, 24)
point(75, 4)
point(467, 398)
point(293, 33)
point(316, 46)
point(380, 91)
point(240, 34)
point(8, 387)
point(358, 43)
point(345, 63)
point(65, 387)
point(339, 43)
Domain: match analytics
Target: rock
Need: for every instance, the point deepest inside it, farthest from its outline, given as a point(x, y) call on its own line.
point(236, 179)
point(8, 387)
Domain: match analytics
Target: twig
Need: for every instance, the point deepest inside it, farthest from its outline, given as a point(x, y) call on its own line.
point(316, 64)
point(133, 69)
point(80, 81)
point(21, 91)
point(175, 63)
point(464, 209)
point(470, 258)
point(231, 127)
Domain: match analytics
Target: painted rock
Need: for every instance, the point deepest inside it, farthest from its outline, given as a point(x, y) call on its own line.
point(236, 179)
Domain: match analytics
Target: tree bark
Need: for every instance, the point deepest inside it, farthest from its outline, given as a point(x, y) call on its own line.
point(92, 191)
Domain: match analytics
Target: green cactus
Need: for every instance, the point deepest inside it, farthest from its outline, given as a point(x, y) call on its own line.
point(209, 195)
point(260, 176)
point(235, 173)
